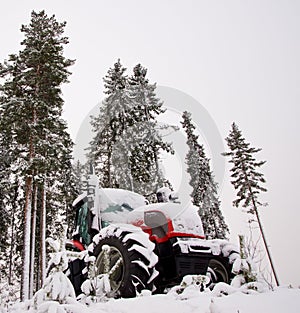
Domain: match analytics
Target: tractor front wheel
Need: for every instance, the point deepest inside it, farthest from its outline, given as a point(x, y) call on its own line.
point(217, 272)
point(128, 259)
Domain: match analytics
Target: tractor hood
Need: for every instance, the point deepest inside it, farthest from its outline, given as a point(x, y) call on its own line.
point(182, 219)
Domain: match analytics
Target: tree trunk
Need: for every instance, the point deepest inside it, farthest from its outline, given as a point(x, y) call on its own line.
point(216, 230)
point(109, 168)
point(32, 247)
point(265, 243)
point(27, 213)
point(260, 226)
point(43, 237)
point(12, 234)
point(26, 241)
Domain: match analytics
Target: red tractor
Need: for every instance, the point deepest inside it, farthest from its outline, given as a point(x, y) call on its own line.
point(144, 246)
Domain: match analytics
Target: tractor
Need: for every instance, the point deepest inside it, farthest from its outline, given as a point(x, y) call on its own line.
point(144, 246)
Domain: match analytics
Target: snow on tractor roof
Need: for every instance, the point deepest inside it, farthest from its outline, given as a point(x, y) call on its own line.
point(121, 197)
point(111, 196)
point(115, 204)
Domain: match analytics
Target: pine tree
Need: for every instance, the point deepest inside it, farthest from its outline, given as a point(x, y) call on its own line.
point(216, 226)
point(204, 188)
point(197, 163)
point(247, 179)
point(10, 203)
point(32, 105)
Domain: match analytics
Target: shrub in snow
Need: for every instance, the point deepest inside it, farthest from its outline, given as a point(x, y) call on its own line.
point(198, 281)
point(244, 267)
point(190, 286)
point(57, 288)
point(223, 289)
point(97, 287)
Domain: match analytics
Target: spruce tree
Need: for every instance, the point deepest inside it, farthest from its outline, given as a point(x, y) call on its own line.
point(146, 104)
point(109, 125)
point(146, 134)
point(204, 189)
point(247, 179)
point(127, 142)
point(31, 104)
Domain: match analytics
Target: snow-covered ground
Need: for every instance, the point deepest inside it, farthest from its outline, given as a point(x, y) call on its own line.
point(281, 300)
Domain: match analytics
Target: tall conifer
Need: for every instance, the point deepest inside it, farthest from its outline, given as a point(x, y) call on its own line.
point(127, 142)
point(110, 124)
point(146, 133)
point(32, 106)
point(204, 188)
point(247, 179)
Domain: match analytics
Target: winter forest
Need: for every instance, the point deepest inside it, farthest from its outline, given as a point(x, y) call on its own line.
point(39, 179)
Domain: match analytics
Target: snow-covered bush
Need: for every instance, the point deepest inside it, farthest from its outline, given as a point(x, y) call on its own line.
point(190, 286)
point(244, 267)
point(57, 288)
point(97, 287)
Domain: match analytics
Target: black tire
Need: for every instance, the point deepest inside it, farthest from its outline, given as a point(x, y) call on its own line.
point(131, 262)
point(218, 271)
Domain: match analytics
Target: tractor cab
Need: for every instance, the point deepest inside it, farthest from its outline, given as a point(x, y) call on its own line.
point(108, 206)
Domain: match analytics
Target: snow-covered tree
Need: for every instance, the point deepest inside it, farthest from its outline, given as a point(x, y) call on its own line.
point(4, 214)
point(145, 134)
point(146, 104)
point(80, 176)
point(216, 226)
point(57, 288)
point(247, 179)
point(31, 104)
point(10, 203)
point(204, 188)
point(127, 142)
point(109, 124)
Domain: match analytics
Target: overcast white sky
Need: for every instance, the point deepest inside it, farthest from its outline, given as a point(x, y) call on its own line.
point(239, 59)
